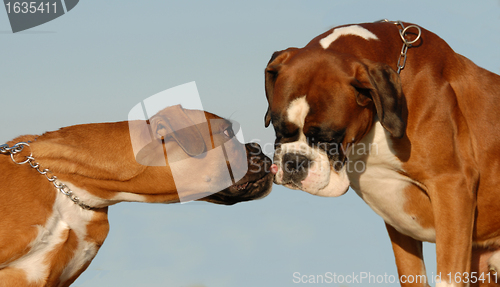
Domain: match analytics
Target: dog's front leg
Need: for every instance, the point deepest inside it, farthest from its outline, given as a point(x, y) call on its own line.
point(409, 259)
point(10, 277)
point(453, 203)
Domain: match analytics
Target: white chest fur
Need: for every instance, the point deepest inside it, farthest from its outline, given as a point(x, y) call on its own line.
point(66, 216)
point(374, 173)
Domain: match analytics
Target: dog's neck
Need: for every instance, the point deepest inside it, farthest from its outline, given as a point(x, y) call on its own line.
point(97, 163)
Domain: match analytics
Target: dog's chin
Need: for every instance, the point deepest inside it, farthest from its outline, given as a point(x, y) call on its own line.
point(332, 189)
point(333, 185)
point(292, 186)
point(337, 185)
point(246, 189)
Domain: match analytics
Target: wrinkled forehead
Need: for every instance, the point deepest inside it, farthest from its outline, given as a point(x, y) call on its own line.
point(317, 75)
point(216, 122)
point(199, 117)
point(206, 122)
point(320, 108)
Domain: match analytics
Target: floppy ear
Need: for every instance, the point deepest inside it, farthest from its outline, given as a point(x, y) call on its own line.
point(271, 74)
point(379, 83)
point(175, 123)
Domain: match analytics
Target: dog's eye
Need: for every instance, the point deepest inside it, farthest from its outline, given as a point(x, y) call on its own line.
point(229, 132)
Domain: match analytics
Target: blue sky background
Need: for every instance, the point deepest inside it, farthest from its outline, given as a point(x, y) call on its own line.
point(103, 57)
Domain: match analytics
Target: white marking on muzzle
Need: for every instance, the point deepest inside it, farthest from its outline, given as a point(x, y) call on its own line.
point(355, 30)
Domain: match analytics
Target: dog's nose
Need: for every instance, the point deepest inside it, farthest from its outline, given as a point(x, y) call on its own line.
point(274, 169)
point(295, 167)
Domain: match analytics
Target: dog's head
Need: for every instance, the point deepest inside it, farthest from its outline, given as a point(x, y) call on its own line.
point(206, 159)
point(320, 104)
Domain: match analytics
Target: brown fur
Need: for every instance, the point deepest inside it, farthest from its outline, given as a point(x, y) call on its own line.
point(99, 159)
point(450, 146)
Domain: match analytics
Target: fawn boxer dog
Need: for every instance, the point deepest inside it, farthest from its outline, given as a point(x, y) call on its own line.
point(48, 240)
point(421, 148)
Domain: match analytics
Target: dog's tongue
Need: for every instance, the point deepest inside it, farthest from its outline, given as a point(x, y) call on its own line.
point(274, 168)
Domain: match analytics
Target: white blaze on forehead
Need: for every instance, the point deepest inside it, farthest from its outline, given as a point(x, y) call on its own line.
point(349, 30)
point(297, 111)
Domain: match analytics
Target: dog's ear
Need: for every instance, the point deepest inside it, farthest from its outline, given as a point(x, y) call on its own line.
point(174, 123)
point(379, 83)
point(271, 74)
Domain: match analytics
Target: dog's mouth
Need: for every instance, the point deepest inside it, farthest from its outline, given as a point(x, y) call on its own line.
point(249, 184)
point(241, 187)
point(256, 183)
point(244, 190)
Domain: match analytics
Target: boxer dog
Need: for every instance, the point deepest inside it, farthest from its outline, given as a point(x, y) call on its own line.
point(47, 240)
point(421, 148)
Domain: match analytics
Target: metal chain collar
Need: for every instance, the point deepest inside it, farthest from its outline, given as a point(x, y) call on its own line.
point(63, 188)
point(406, 43)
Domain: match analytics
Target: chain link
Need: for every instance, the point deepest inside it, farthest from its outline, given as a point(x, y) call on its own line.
point(406, 43)
point(63, 188)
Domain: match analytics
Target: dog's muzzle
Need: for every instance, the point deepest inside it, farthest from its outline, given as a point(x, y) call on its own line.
point(299, 166)
point(295, 168)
